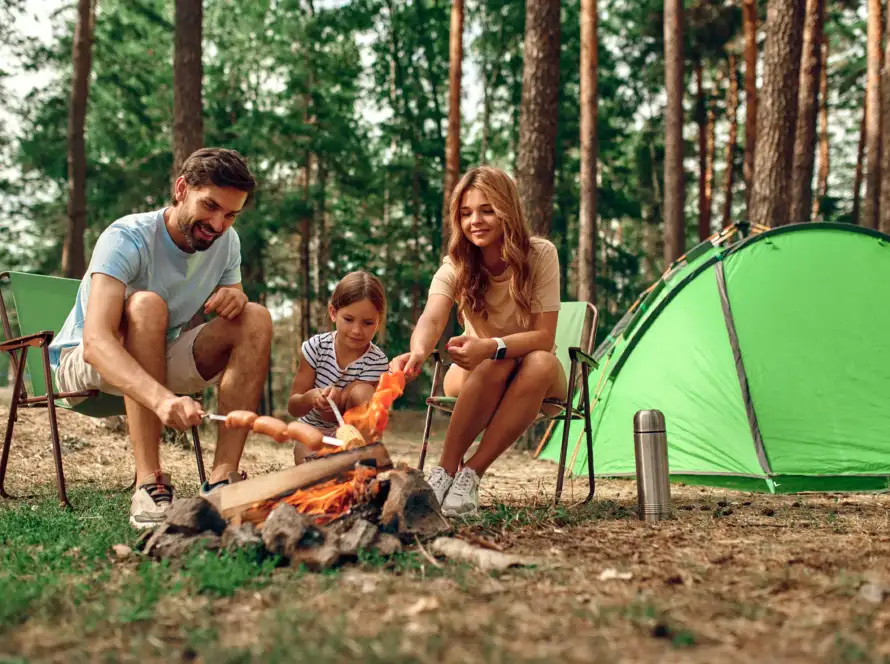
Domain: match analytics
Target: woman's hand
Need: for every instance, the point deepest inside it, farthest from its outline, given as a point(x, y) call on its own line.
point(408, 363)
point(470, 352)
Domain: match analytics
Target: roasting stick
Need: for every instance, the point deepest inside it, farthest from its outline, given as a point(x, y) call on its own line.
point(329, 440)
point(336, 412)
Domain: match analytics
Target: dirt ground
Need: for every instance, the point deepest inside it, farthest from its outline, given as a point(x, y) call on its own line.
point(733, 577)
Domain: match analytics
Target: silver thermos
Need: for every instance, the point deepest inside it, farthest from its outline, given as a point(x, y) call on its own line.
point(650, 450)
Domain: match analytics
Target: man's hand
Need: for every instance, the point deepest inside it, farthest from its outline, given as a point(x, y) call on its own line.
point(226, 302)
point(180, 413)
point(469, 352)
point(408, 363)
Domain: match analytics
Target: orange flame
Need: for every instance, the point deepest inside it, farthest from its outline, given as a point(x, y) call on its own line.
point(373, 416)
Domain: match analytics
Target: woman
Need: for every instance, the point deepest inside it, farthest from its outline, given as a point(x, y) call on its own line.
point(505, 285)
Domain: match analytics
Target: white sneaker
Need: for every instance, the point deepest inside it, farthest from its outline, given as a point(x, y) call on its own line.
point(463, 497)
point(440, 481)
point(152, 500)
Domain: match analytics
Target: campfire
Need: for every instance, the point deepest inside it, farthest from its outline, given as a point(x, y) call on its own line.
point(344, 497)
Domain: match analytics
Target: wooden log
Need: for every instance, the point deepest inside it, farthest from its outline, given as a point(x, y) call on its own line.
point(234, 499)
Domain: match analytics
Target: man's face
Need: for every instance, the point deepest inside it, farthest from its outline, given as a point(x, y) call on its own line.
point(206, 212)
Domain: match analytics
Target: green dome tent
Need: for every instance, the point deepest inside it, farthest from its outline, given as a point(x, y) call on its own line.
point(769, 357)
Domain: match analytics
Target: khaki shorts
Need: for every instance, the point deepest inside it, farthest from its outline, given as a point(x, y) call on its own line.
point(183, 377)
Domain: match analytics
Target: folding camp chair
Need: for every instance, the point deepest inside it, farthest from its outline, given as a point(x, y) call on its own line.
point(41, 304)
point(576, 330)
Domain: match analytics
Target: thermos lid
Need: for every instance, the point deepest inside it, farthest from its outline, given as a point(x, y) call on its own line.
point(648, 421)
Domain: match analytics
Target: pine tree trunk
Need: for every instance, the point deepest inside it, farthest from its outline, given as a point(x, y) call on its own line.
point(73, 258)
point(807, 111)
point(884, 211)
point(822, 184)
point(306, 255)
point(674, 188)
point(701, 121)
point(732, 107)
point(188, 123)
point(777, 115)
point(538, 112)
point(710, 147)
point(870, 203)
point(857, 177)
point(322, 249)
point(587, 233)
point(452, 141)
point(749, 17)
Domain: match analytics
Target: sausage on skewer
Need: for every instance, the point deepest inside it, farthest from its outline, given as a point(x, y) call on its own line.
point(272, 427)
point(240, 419)
point(306, 434)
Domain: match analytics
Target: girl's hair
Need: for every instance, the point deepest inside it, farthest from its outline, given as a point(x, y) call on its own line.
point(358, 286)
point(471, 283)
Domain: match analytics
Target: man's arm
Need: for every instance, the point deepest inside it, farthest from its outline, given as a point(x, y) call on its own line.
point(102, 348)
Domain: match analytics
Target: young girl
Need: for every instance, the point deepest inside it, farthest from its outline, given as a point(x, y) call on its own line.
point(343, 365)
point(505, 285)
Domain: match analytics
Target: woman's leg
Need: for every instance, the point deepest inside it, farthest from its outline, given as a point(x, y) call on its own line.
point(539, 376)
point(478, 394)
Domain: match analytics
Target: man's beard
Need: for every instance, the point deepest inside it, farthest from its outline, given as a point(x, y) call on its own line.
point(187, 228)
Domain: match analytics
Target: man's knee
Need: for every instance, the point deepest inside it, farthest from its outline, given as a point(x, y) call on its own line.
point(145, 307)
point(256, 320)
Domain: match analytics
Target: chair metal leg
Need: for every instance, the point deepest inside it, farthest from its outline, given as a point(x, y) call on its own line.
point(54, 427)
point(588, 431)
point(10, 422)
point(560, 476)
point(429, 417)
point(199, 457)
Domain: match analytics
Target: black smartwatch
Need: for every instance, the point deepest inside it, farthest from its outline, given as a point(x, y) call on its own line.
point(501, 352)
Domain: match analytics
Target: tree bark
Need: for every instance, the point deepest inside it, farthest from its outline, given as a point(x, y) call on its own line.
point(705, 118)
point(870, 211)
point(808, 108)
point(732, 107)
point(587, 235)
point(857, 177)
point(822, 185)
point(306, 255)
point(710, 147)
point(538, 112)
point(452, 141)
point(73, 257)
point(777, 115)
point(884, 208)
point(749, 18)
point(322, 248)
point(188, 122)
point(674, 187)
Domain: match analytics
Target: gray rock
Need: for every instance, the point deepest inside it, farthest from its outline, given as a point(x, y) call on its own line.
point(386, 544)
point(173, 545)
point(284, 529)
point(360, 536)
point(244, 536)
point(194, 515)
point(874, 592)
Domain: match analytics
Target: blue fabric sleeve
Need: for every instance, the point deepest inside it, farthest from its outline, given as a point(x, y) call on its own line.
point(232, 275)
point(117, 254)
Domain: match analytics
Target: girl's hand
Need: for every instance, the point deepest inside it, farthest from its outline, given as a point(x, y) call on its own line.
point(408, 363)
point(469, 352)
point(320, 398)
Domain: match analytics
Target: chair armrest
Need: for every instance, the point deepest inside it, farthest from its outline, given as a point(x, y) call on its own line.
point(35, 340)
point(578, 355)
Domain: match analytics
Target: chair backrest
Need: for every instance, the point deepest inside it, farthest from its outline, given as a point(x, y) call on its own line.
point(42, 303)
point(576, 327)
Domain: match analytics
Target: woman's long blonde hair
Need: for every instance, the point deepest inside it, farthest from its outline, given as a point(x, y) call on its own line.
point(471, 281)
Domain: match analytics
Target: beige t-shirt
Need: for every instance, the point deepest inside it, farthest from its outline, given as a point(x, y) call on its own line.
point(501, 308)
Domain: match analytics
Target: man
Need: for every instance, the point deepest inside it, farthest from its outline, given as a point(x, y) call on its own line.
point(149, 274)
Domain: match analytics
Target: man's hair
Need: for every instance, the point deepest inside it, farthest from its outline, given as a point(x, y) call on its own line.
point(219, 167)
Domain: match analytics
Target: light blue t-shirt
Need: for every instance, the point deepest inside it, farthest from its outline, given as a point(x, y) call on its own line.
point(138, 250)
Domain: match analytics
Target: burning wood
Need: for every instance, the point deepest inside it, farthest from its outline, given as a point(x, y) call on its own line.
point(371, 418)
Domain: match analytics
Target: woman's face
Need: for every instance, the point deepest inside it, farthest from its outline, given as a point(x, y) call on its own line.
point(478, 221)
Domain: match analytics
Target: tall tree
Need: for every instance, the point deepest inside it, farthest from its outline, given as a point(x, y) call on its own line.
point(538, 113)
point(73, 259)
point(777, 113)
point(188, 72)
point(857, 174)
point(749, 19)
point(587, 233)
point(884, 212)
point(732, 107)
point(452, 141)
point(704, 112)
point(808, 108)
point(674, 186)
point(873, 117)
point(822, 182)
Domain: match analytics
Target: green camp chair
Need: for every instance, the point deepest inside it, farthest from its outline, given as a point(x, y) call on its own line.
point(41, 305)
point(576, 330)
